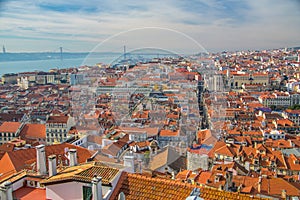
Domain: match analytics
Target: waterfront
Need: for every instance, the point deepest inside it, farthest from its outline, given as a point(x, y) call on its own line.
point(36, 64)
point(46, 65)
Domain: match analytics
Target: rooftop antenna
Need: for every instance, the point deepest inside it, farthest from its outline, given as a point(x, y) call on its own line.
point(124, 52)
point(61, 53)
point(61, 56)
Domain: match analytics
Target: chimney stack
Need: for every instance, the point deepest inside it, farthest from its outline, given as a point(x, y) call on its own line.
point(259, 184)
point(283, 194)
point(129, 162)
point(52, 165)
point(73, 157)
point(6, 191)
point(41, 159)
point(228, 183)
point(121, 196)
point(173, 175)
point(97, 188)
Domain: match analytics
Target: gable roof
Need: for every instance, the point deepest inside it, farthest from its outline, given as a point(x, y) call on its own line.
point(26, 158)
point(227, 151)
point(180, 163)
point(274, 187)
point(58, 119)
point(135, 186)
point(10, 117)
point(165, 157)
point(9, 127)
point(84, 173)
point(217, 145)
point(33, 131)
point(5, 148)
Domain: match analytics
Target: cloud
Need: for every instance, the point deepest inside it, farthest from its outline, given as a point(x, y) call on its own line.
point(218, 25)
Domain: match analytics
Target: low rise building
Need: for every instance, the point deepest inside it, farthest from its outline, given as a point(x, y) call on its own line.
point(9, 131)
point(57, 128)
point(293, 115)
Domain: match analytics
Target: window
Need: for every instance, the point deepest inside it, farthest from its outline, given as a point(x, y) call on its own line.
point(87, 192)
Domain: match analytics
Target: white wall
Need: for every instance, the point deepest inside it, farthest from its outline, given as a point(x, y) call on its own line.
point(71, 190)
point(81, 142)
point(18, 184)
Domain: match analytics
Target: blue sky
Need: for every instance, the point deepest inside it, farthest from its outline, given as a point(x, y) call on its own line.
point(187, 26)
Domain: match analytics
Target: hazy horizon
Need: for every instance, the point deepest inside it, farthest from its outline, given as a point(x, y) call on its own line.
point(215, 26)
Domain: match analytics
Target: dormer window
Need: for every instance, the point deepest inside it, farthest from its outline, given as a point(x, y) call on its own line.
point(272, 162)
point(217, 179)
point(296, 162)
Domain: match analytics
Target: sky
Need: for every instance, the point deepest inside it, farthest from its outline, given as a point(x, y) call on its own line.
point(173, 25)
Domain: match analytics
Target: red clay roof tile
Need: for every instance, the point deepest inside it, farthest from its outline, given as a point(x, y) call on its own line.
point(9, 127)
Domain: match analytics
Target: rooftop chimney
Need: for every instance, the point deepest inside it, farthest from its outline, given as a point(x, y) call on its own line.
point(41, 159)
point(173, 175)
point(228, 183)
point(97, 188)
point(121, 196)
point(52, 165)
point(283, 194)
point(6, 191)
point(259, 184)
point(129, 162)
point(73, 157)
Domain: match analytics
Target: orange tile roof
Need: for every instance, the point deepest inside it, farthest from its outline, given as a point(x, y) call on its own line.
point(172, 116)
point(6, 147)
point(284, 122)
point(165, 157)
point(25, 158)
point(293, 111)
point(203, 134)
point(183, 175)
point(293, 163)
point(227, 151)
point(84, 173)
point(140, 115)
point(151, 131)
point(217, 145)
point(28, 193)
point(274, 187)
point(203, 177)
point(58, 119)
point(136, 186)
point(278, 143)
point(167, 133)
point(200, 151)
point(245, 181)
point(33, 131)
point(9, 127)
